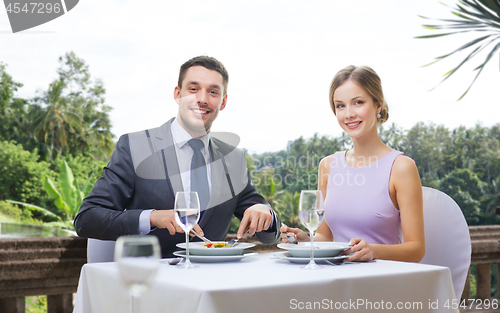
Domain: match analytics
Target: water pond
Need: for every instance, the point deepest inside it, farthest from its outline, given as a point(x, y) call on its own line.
point(12, 230)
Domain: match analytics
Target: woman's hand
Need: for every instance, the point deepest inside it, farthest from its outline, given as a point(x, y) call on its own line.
point(361, 249)
point(299, 234)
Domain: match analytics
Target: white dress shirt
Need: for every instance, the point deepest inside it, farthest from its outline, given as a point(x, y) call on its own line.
point(184, 154)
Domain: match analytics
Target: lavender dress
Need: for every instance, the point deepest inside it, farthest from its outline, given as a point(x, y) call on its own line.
point(357, 203)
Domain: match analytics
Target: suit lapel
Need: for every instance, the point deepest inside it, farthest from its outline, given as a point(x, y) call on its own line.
point(162, 140)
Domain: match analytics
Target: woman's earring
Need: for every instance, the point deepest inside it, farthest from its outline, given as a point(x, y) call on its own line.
point(378, 115)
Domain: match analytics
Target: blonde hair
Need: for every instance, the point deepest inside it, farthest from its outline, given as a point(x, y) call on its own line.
point(368, 79)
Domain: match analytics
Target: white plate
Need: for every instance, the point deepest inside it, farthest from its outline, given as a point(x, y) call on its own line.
point(197, 248)
point(322, 249)
point(287, 256)
point(214, 258)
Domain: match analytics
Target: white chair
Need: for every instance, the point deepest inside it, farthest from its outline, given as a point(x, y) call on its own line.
point(100, 250)
point(447, 239)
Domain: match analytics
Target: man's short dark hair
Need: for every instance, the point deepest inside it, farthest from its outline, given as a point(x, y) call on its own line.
point(208, 63)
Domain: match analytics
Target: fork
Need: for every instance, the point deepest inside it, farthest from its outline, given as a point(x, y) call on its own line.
point(290, 238)
point(232, 242)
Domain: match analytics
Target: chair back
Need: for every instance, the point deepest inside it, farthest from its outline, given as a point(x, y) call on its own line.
point(100, 250)
point(447, 239)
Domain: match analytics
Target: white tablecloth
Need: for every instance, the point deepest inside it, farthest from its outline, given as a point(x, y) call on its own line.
point(262, 283)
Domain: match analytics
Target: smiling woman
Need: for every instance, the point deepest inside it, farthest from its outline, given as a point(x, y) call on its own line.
point(386, 194)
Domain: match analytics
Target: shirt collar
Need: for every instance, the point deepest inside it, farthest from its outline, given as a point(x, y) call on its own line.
point(181, 136)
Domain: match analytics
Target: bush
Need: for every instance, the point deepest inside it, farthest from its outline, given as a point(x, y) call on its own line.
point(22, 175)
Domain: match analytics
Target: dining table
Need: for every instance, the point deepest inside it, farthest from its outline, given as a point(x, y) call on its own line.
point(268, 282)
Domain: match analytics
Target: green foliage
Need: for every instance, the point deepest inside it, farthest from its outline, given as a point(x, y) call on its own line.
point(68, 122)
point(478, 16)
point(44, 213)
point(289, 212)
point(13, 214)
point(15, 115)
point(491, 198)
point(69, 118)
point(86, 170)
point(37, 304)
point(465, 188)
point(22, 175)
point(72, 117)
point(67, 197)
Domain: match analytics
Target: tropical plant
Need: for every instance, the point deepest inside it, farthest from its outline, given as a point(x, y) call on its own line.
point(267, 186)
point(67, 197)
point(481, 16)
point(52, 125)
point(86, 97)
point(69, 118)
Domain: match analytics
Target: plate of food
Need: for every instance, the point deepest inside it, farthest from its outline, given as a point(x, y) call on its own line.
point(216, 248)
point(214, 258)
point(322, 249)
point(337, 260)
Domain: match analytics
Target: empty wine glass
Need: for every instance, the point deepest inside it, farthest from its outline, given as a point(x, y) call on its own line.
point(311, 214)
point(138, 258)
point(187, 214)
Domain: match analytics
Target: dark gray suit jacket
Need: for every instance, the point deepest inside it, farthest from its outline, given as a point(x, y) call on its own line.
point(144, 174)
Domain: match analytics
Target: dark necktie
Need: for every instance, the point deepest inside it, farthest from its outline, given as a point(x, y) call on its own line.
point(199, 179)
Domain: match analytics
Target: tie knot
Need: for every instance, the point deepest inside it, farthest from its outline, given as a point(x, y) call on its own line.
point(196, 144)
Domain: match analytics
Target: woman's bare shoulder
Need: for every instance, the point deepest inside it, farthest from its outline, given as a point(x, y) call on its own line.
point(326, 161)
point(404, 167)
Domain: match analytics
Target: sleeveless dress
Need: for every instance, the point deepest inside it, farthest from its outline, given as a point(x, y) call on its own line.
point(358, 204)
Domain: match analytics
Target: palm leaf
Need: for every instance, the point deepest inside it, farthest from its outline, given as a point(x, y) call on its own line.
point(481, 67)
point(441, 35)
point(472, 21)
point(66, 185)
point(472, 54)
point(78, 200)
point(52, 191)
point(485, 13)
point(473, 16)
point(467, 45)
point(453, 70)
point(492, 5)
point(33, 207)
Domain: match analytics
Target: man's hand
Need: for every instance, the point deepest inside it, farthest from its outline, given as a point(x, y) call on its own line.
point(166, 219)
point(257, 218)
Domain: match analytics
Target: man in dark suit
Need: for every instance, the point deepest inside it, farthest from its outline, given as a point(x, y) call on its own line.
point(137, 192)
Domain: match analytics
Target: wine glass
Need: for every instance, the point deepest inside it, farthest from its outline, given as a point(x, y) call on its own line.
point(187, 214)
point(311, 214)
point(138, 258)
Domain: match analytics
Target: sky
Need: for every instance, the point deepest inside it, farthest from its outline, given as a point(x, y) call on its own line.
point(280, 55)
